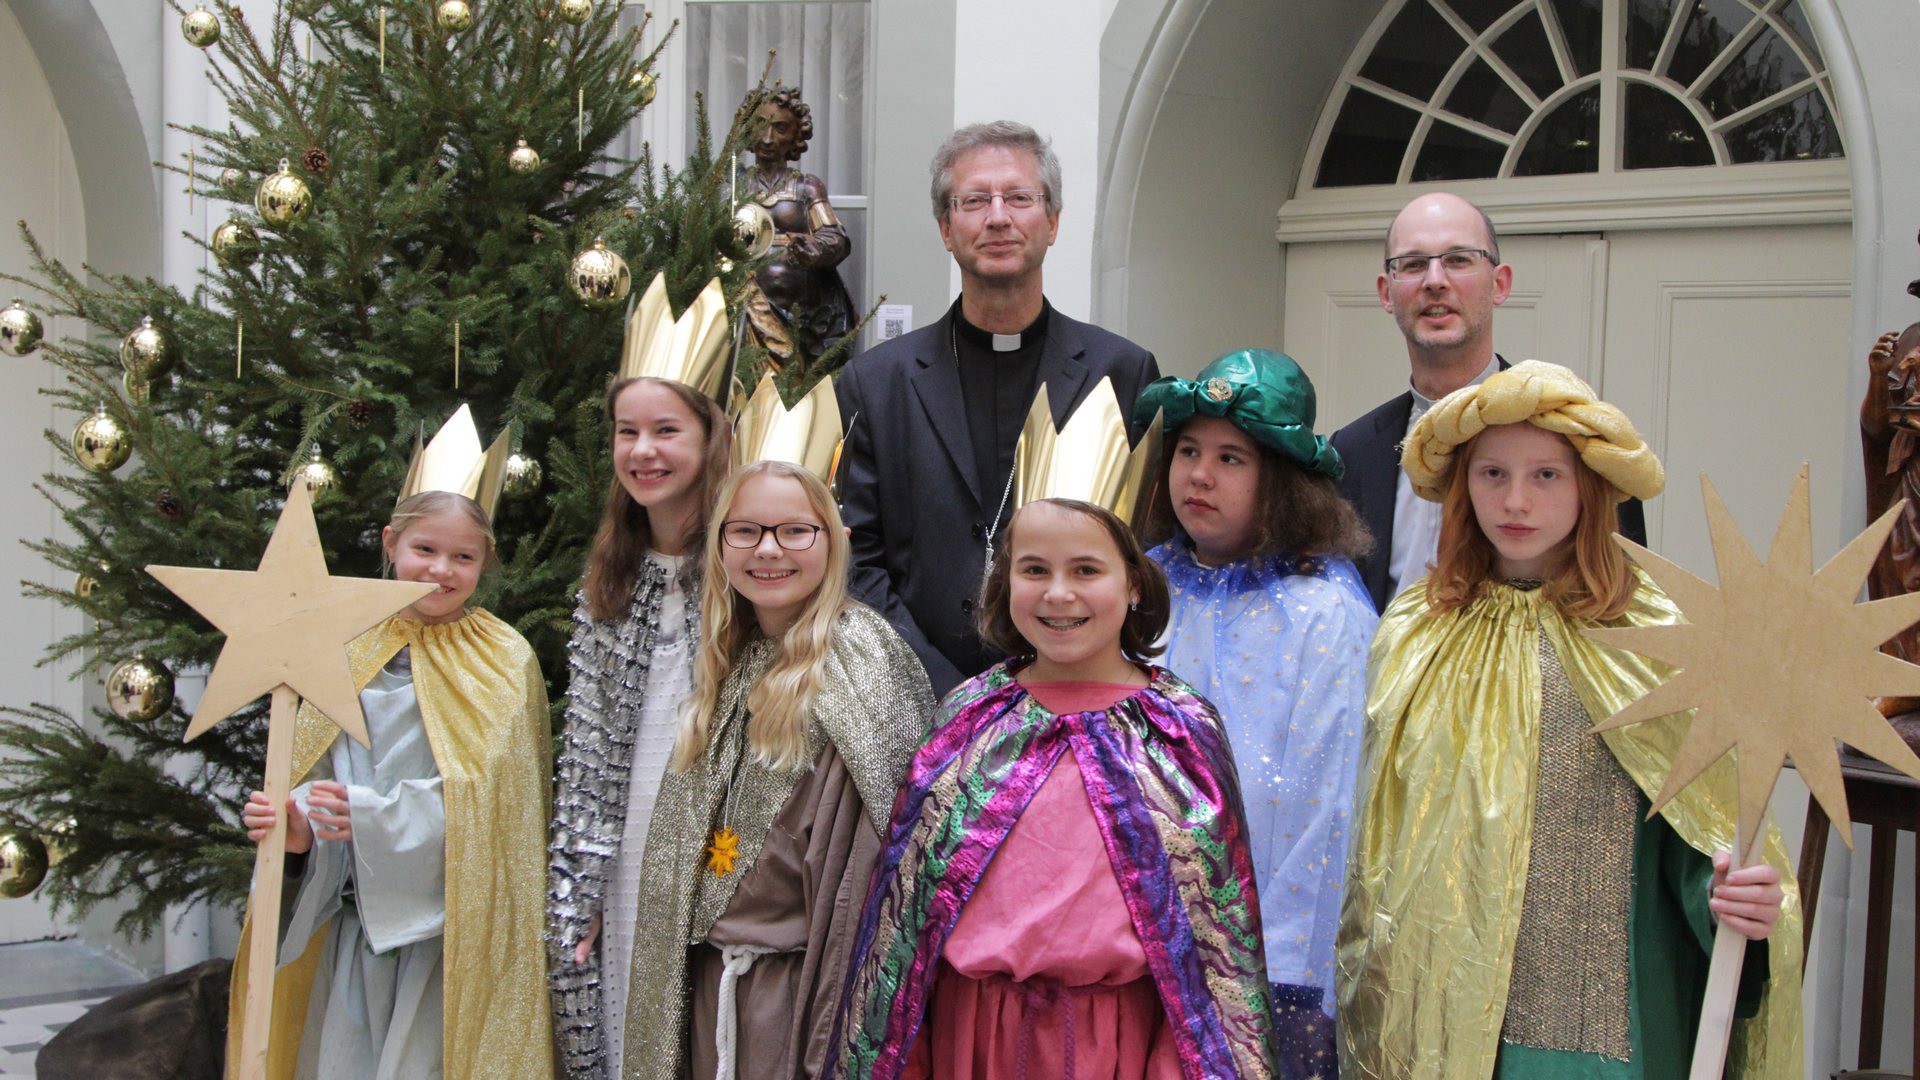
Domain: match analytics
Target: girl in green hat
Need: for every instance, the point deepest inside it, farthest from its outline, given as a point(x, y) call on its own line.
point(1271, 621)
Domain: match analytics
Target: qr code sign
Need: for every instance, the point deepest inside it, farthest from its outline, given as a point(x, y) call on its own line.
point(892, 328)
point(895, 320)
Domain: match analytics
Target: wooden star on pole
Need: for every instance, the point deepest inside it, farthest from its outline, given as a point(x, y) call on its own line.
point(287, 625)
point(1778, 662)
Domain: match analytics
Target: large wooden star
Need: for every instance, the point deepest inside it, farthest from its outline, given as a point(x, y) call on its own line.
point(1778, 662)
point(287, 623)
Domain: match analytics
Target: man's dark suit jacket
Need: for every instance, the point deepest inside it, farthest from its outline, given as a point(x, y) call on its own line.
point(909, 489)
point(1370, 448)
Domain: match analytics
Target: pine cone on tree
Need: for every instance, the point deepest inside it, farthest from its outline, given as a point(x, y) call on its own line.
point(359, 412)
point(167, 504)
point(316, 161)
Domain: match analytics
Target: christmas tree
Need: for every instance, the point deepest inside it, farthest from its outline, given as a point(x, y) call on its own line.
point(418, 187)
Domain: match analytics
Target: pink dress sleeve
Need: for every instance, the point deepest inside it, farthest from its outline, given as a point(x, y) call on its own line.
point(1044, 965)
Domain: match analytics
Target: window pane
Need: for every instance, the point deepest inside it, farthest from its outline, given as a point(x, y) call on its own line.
point(1367, 142)
point(1580, 25)
point(1766, 67)
point(1480, 14)
point(1567, 141)
point(1799, 130)
point(821, 48)
point(1525, 49)
point(1647, 22)
point(1710, 28)
point(1452, 153)
point(1797, 26)
point(1415, 52)
point(1661, 133)
point(1483, 95)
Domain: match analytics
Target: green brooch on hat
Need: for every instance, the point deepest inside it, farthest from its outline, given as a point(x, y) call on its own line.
point(1261, 392)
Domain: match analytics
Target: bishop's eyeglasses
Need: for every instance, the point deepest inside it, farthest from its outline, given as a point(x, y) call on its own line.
point(1457, 262)
point(974, 202)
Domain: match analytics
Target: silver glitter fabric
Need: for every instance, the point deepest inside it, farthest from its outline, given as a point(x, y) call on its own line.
point(873, 706)
point(1572, 961)
point(607, 677)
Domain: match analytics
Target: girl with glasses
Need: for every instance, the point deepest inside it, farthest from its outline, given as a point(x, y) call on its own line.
point(805, 708)
point(630, 665)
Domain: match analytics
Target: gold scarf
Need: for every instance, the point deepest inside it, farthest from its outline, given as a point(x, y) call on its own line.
point(484, 704)
point(1443, 827)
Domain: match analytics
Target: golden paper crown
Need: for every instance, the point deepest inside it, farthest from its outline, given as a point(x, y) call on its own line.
point(693, 349)
point(453, 461)
point(1091, 459)
point(807, 435)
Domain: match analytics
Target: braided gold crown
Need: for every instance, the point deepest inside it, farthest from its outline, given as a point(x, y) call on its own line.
point(693, 349)
point(808, 435)
point(1090, 459)
point(453, 461)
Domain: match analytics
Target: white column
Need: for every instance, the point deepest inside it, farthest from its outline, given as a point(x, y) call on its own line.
point(1040, 64)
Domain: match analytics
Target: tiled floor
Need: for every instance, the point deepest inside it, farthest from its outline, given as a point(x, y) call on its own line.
point(46, 985)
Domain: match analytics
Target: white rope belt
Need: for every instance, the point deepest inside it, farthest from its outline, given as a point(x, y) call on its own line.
point(738, 960)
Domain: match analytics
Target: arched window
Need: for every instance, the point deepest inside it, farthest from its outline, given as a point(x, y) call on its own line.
point(1452, 90)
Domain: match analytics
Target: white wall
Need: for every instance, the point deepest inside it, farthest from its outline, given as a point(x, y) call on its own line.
point(1039, 63)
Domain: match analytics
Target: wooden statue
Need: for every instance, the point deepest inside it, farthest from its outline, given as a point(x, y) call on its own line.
point(1890, 445)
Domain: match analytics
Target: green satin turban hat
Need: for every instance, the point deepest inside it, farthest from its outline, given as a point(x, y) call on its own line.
point(1263, 393)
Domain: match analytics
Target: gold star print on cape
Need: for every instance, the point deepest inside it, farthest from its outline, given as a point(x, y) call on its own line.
point(1778, 662)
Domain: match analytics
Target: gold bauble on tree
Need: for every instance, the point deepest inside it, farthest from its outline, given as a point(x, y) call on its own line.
point(101, 443)
point(201, 27)
point(319, 474)
point(523, 159)
point(20, 329)
point(146, 353)
point(138, 390)
point(235, 244)
point(282, 198)
point(574, 12)
point(599, 276)
point(23, 863)
point(752, 230)
point(232, 179)
point(643, 81)
point(139, 690)
point(453, 16)
point(523, 476)
point(84, 584)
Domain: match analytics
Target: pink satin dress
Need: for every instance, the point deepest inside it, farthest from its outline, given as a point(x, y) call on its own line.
point(1043, 975)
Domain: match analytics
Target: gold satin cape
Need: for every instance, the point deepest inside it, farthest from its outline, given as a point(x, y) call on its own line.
point(484, 703)
point(1443, 829)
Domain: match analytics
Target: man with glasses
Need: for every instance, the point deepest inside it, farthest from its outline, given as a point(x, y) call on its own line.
point(934, 415)
point(1441, 279)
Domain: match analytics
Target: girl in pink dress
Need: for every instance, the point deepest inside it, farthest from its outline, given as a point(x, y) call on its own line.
point(1066, 890)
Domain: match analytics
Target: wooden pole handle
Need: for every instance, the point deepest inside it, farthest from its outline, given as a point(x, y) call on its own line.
point(1723, 981)
point(269, 868)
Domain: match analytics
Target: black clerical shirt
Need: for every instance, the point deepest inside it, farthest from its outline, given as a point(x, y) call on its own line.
point(997, 385)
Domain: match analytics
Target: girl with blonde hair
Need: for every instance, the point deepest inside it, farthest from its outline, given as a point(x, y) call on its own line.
point(806, 706)
point(1511, 909)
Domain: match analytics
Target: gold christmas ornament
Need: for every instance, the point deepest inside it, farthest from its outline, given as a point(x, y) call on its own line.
point(101, 443)
point(61, 838)
point(599, 276)
point(574, 12)
point(282, 198)
point(319, 474)
point(523, 476)
point(235, 244)
point(138, 390)
point(139, 690)
point(752, 230)
point(453, 16)
point(523, 159)
point(20, 329)
point(23, 863)
point(146, 352)
point(232, 179)
point(201, 27)
point(85, 584)
point(643, 81)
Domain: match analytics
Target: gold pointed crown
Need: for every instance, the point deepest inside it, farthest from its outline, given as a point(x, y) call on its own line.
point(807, 435)
point(1090, 459)
point(692, 349)
point(453, 461)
